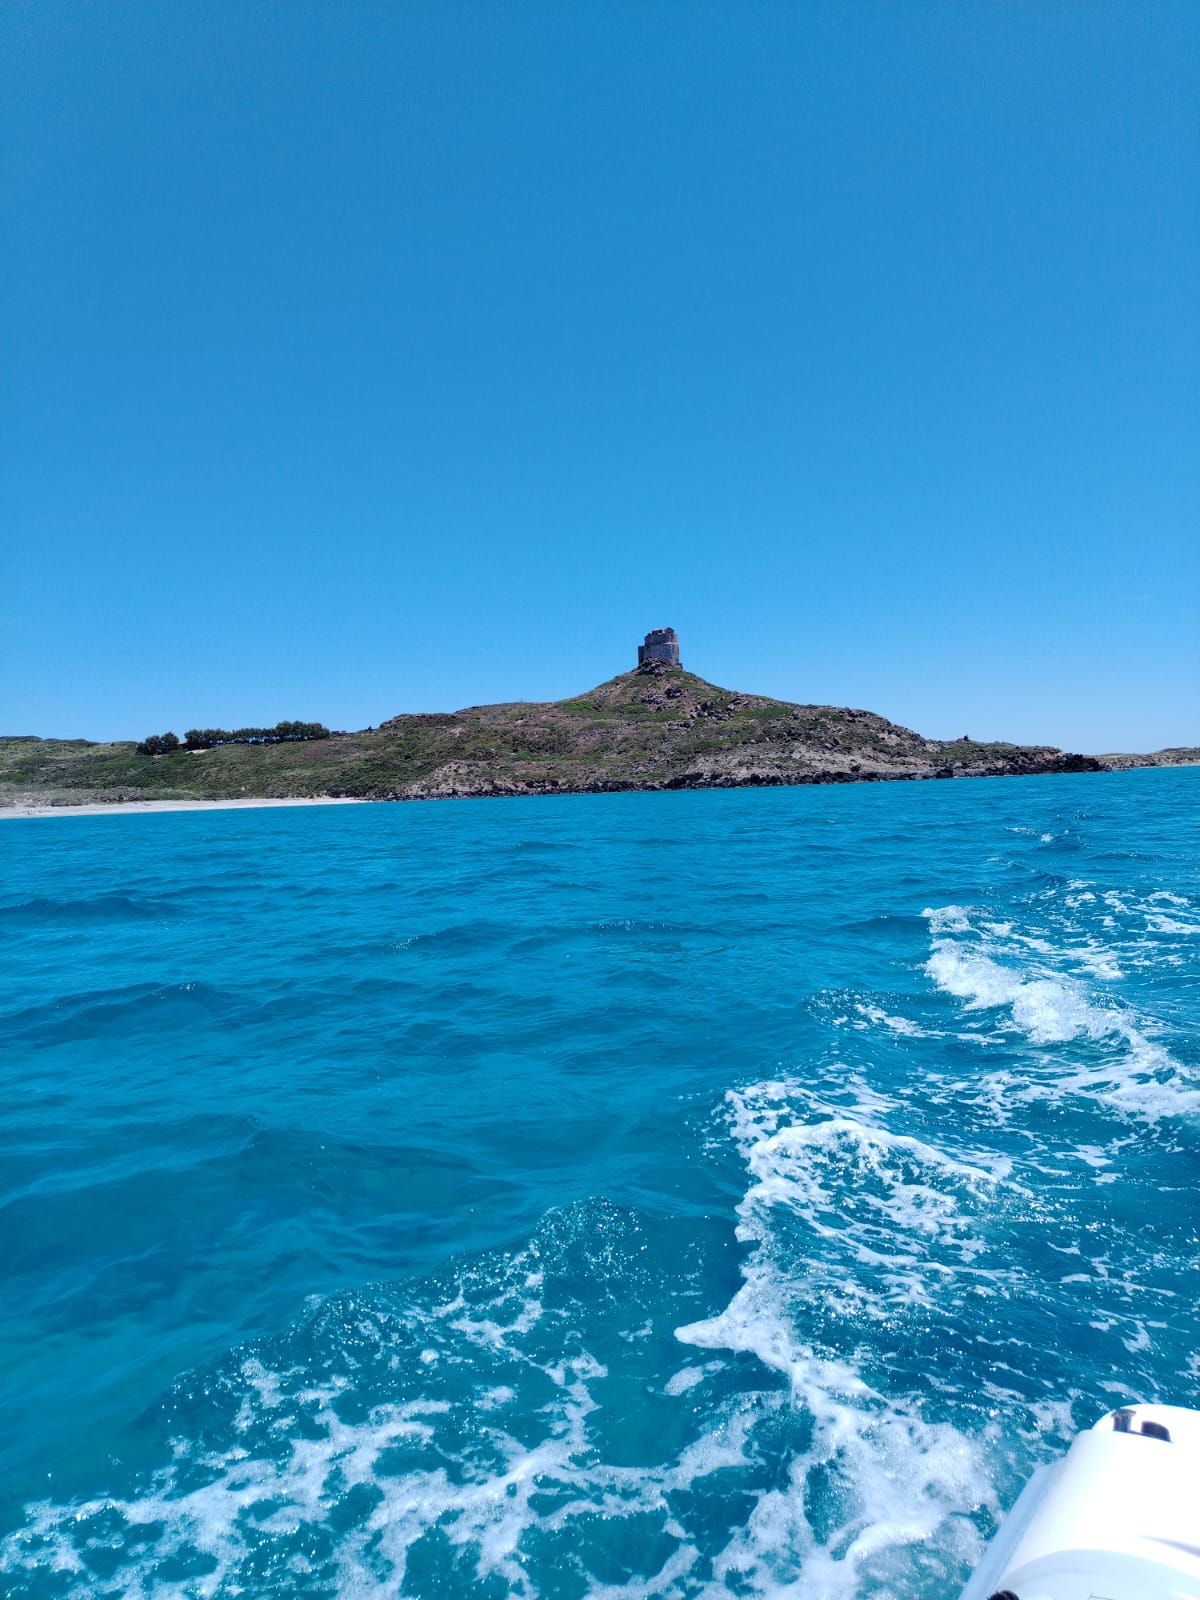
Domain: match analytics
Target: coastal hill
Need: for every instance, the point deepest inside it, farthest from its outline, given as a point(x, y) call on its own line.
point(657, 727)
point(1176, 756)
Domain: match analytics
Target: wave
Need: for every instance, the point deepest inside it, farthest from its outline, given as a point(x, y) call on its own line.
point(852, 1226)
point(522, 1424)
point(121, 1013)
point(995, 966)
point(903, 1289)
point(94, 908)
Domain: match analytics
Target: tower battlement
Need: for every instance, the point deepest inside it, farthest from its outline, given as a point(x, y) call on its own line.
point(661, 644)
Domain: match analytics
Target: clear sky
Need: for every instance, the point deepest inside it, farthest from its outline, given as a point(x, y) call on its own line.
point(369, 357)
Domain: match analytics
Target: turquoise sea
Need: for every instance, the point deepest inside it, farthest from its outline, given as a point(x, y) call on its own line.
point(695, 1194)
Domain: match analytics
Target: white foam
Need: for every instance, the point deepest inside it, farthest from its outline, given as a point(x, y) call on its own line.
point(307, 1489)
point(901, 1025)
point(252, 1497)
point(1132, 1072)
point(898, 1479)
point(1092, 1155)
point(948, 919)
point(1159, 922)
point(1096, 960)
point(689, 1377)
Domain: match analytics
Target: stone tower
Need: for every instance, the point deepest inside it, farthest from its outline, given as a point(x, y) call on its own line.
point(661, 645)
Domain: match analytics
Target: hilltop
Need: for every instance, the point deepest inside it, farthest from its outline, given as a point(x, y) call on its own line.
point(657, 727)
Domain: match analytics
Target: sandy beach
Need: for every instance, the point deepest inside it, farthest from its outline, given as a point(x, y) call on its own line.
point(124, 807)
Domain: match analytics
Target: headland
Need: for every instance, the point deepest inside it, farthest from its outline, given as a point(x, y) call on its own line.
point(658, 726)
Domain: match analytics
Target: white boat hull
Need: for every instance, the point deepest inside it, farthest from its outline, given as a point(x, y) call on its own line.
point(1118, 1518)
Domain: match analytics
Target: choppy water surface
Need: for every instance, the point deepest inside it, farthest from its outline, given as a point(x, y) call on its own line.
point(649, 1195)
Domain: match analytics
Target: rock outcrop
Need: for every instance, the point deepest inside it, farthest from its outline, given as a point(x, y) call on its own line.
point(1177, 756)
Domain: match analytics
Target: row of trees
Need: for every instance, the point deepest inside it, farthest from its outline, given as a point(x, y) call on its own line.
point(159, 744)
point(162, 744)
point(206, 738)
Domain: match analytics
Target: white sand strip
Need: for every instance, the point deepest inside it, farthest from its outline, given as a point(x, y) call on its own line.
point(126, 806)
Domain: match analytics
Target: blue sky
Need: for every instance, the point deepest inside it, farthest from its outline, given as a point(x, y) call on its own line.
point(366, 357)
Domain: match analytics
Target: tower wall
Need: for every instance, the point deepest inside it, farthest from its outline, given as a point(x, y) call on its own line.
point(661, 644)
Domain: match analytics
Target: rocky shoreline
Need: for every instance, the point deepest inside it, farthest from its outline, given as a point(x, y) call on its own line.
point(449, 786)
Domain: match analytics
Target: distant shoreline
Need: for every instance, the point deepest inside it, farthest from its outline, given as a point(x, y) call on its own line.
point(125, 807)
point(657, 728)
point(130, 807)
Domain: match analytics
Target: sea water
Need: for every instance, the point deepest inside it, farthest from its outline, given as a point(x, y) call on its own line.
point(694, 1194)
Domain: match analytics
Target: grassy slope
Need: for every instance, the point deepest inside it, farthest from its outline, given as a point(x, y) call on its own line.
point(658, 728)
point(54, 770)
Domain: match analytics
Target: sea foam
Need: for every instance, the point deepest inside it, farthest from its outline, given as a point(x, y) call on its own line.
point(997, 967)
point(848, 1221)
